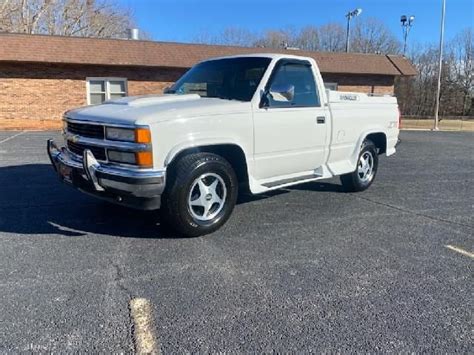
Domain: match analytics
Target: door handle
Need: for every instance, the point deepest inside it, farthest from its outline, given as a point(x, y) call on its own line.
point(321, 120)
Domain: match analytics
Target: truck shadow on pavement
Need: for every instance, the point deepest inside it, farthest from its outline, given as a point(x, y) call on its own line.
point(34, 201)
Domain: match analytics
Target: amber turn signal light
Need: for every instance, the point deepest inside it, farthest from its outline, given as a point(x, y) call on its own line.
point(144, 159)
point(142, 135)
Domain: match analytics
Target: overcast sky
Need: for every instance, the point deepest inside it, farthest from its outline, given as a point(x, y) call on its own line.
point(181, 20)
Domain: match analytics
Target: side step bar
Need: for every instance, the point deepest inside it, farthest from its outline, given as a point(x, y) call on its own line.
point(314, 175)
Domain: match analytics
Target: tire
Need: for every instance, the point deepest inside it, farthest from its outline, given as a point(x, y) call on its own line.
point(201, 194)
point(366, 169)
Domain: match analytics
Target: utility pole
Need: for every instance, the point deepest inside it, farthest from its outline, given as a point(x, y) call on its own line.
point(407, 22)
point(349, 16)
point(440, 66)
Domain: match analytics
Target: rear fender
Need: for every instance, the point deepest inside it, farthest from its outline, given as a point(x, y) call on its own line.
point(355, 153)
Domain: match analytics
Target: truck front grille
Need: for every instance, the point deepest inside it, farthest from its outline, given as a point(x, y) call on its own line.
point(78, 148)
point(86, 130)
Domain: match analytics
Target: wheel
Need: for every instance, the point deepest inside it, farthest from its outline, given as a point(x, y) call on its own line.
point(367, 165)
point(201, 194)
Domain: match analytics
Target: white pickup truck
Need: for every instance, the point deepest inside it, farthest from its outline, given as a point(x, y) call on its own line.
point(262, 121)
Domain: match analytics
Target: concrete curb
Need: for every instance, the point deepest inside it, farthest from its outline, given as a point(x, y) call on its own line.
point(444, 125)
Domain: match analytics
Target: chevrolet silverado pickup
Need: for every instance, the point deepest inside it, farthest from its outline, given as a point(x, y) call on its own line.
point(260, 122)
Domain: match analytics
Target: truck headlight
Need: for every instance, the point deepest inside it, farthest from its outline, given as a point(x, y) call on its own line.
point(120, 134)
point(138, 135)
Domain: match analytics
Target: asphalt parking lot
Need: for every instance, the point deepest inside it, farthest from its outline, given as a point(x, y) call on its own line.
point(303, 269)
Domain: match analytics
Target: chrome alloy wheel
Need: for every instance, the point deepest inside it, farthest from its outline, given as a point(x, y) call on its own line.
point(365, 168)
point(207, 197)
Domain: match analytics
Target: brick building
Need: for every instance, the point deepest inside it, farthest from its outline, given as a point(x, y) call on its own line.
point(42, 76)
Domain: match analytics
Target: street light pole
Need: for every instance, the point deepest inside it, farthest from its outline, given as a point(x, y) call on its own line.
point(440, 66)
point(349, 16)
point(407, 22)
point(348, 31)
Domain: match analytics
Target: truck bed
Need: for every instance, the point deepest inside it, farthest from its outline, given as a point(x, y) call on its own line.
point(355, 115)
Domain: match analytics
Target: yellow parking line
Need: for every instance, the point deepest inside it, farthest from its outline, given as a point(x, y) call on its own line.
point(143, 330)
point(460, 251)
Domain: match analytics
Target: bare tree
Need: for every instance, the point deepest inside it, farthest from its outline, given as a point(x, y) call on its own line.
point(230, 36)
point(331, 37)
point(237, 36)
point(88, 18)
point(416, 95)
point(308, 39)
point(370, 35)
point(461, 70)
point(327, 37)
point(276, 38)
point(204, 37)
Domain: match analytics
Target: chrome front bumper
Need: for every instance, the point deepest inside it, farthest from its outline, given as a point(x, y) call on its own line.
point(129, 187)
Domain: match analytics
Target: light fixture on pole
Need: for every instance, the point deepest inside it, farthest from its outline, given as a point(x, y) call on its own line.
point(407, 22)
point(440, 65)
point(349, 16)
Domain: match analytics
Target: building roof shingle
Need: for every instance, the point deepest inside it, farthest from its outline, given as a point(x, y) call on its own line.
point(94, 51)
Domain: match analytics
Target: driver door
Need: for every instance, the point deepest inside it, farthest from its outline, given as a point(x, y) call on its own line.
point(290, 134)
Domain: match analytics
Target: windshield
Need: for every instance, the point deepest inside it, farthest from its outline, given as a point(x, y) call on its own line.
point(231, 79)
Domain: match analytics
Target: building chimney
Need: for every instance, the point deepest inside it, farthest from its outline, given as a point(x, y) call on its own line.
point(134, 34)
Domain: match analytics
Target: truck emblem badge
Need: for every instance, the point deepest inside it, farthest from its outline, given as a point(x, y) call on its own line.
point(348, 97)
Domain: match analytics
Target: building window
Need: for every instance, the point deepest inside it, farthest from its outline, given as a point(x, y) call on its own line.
point(331, 86)
point(102, 89)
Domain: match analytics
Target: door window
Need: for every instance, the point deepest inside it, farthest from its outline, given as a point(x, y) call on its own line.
point(300, 76)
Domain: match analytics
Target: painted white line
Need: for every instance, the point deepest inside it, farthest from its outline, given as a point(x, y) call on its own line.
point(460, 251)
point(14, 136)
point(143, 328)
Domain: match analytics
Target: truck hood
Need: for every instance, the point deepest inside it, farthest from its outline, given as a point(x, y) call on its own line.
point(149, 109)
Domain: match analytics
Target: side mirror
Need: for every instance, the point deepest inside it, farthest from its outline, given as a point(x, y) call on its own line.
point(283, 93)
